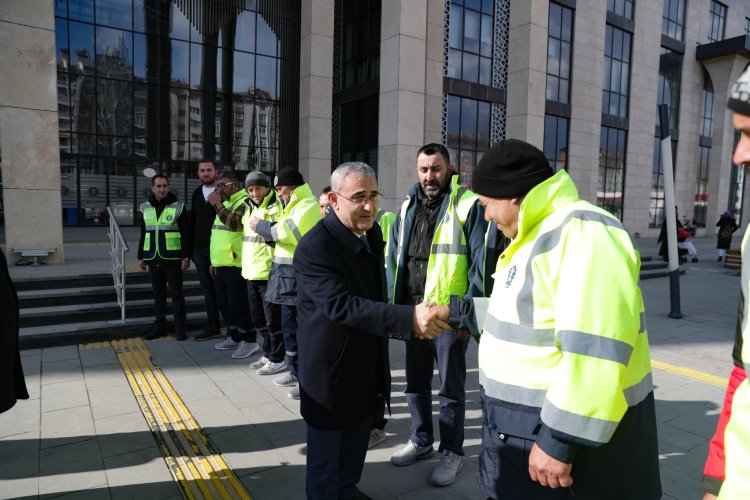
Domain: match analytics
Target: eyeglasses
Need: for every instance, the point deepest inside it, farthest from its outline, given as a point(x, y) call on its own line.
point(362, 198)
point(221, 186)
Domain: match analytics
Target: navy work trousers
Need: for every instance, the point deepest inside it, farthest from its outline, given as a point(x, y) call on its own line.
point(231, 292)
point(202, 259)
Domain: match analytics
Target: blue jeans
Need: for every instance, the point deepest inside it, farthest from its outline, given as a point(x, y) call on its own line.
point(202, 259)
point(450, 355)
point(335, 460)
point(289, 328)
point(231, 292)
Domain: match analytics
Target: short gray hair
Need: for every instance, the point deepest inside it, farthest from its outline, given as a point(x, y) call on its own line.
point(353, 167)
point(229, 175)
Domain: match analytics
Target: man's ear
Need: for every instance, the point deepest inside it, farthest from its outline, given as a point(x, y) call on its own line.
point(332, 199)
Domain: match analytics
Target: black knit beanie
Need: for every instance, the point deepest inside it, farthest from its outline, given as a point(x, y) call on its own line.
point(509, 169)
point(257, 178)
point(289, 176)
point(739, 97)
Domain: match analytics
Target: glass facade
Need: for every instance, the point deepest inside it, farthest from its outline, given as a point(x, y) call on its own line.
point(559, 55)
point(736, 186)
point(612, 154)
point(616, 85)
point(673, 20)
point(622, 8)
point(704, 152)
point(470, 40)
point(144, 83)
point(717, 21)
point(468, 133)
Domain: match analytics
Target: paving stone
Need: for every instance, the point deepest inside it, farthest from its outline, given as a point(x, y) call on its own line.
point(64, 395)
point(105, 376)
point(124, 433)
point(27, 487)
point(62, 427)
point(62, 353)
point(98, 356)
point(139, 474)
point(71, 467)
point(19, 456)
point(111, 401)
point(66, 370)
point(24, 417)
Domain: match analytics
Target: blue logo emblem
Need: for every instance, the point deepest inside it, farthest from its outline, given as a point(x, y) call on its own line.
point(169, 218)
point(511, 275)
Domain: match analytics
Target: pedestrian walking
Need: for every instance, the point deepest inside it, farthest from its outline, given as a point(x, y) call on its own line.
point(727, 226)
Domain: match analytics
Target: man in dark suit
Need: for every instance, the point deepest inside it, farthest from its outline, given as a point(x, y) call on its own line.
point(343, 355)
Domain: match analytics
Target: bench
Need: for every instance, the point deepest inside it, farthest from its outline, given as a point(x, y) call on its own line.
point(34, 253)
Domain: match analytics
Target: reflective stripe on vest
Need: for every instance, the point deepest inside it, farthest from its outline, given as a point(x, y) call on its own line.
point(162, 238)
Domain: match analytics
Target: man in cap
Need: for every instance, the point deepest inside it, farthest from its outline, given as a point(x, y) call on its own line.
point(727, 469)
point(226, 265)
point(564, 368)
point(300, 214)
point(262, 203)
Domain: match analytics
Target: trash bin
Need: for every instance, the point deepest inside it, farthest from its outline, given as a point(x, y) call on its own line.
point(71, 216)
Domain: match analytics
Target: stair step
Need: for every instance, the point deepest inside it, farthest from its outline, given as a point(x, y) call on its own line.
point(654, 265)
point(93, 294)
point(657, 273)
point(91, 280)
point(93, 331)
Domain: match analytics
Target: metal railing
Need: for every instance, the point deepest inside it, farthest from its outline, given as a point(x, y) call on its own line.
point(117, 249)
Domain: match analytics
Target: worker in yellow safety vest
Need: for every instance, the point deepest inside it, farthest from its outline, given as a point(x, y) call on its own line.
point(564, 366)
point(300, 214)
point(164, 246)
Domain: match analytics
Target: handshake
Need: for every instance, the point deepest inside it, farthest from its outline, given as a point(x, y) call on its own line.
point(429, 320)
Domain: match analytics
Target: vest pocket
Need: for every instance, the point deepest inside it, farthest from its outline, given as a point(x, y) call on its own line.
point(173, 240)
point(147, 242)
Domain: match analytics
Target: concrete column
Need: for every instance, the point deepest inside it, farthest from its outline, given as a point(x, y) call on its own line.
point(405, 68)
point(724, 71)
point(644, 82)
point(527, 71)
point(316, 87)
point(29, 136)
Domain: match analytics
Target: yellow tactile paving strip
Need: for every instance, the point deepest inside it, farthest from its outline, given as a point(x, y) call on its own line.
point(691, 374)
point(192, 460)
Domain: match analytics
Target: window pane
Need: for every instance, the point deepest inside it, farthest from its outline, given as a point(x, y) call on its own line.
point(468, 123)
point(486, 46)
point(485, 71)
point(555, 17)
point(244, 72)
point(453, 124)
point(82, 10)
point(61, 44)
point(180, 26)
point(139, 23)
point(483, 125)
point(245, 37)
point(114, 107)
point(471, 31)
point(114, 52)
point(552, 86)
point(116, 13)
point(180, 62)
point(82, 47)
point(139, 56)
point(456, 27)
point(471, 68)
point(567, 24)
point(266, 38)
point(196, 65)
point(454, 63)
point(266, 76)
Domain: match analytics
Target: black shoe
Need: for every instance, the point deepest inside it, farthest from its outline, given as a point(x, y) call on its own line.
point(154, 334)
point(719, 259)
point(211, 331)
point(695, 259)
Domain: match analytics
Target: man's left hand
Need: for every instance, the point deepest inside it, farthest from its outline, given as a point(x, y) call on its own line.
point(214, 198)
point(548, 471)
point(185, 264)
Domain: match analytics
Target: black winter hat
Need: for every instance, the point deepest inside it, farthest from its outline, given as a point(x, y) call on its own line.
point(257, 178)
point(509, 169)
point(289, 176)
point(739, 97)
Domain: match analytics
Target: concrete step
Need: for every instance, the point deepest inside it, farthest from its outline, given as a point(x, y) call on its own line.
point(733, 260)
point(95, 331)
point(100, 311)
point(657, 273)
point(29, 299)
point(89, 280)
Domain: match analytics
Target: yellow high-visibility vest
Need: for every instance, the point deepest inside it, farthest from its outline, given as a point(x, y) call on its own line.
point(257, 255)
point(226, 245)
point(162, 236)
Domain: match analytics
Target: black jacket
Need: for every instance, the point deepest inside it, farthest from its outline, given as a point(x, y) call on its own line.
point(344, 324)
point(186, 234)
point(202, 216)
point(12, 383)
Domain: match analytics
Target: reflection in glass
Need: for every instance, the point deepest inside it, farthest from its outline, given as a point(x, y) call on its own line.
point(454, 63)
point(267, 41)
point(470, 71)
point(114, 53)
point(139, 56)
point(456, 27)
point(266, 76)
point(63, 102)
point(61, 8)
point(139, 23)
point(115, 13)
point(471, 31)
point(196, 64)
point(244, 72)
point(114, 108)
point(82, 47)
point(180, 26)
point(453, 122)
point(61, 43)
point(180, 62)
point(245, 35)
point(468, 123)
point(82, 10)
point(485, 71)
point(82, 103)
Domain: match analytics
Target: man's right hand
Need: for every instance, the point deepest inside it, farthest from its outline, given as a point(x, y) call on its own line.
point(426, 322)
point(142, 264)
point(212, 271)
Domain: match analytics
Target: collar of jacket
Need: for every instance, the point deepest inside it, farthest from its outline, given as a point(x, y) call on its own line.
point(300, 192)
point(452, 186)
point(544, 199)
point(237, 196)
point(168, 200)
point(346, 237)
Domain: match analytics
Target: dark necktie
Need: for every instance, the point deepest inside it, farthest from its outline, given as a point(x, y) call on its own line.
point(363, 239)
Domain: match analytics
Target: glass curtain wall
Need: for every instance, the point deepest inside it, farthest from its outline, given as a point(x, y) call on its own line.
point(163, 84)
point(559, 56)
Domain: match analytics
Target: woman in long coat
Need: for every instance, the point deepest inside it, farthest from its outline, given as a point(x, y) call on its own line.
point(727, 226)
point(12, 383)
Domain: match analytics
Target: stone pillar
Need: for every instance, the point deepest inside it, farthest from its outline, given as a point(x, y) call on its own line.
point(723, 71)
point(316, 87)
point(404, 72)
point(527, 70)
point(29, 136)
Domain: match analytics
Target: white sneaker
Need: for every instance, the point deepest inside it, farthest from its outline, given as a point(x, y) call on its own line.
point(445, 472)
point(294, 392)
point(259, 363)
point(377, 436)
point(285, 380)
point(226, 344)
point(410, 453)
point(245, 350)
point(271, 368)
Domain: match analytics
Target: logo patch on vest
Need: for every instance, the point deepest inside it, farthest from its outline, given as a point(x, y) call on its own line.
point(511, 275)
point(169, 218)
point(447, 217)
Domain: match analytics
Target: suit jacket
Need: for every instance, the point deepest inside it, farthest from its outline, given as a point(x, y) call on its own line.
point(12, 383)
point(344, 324)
